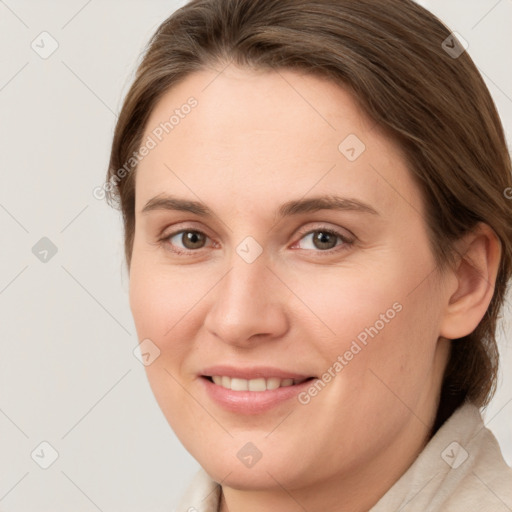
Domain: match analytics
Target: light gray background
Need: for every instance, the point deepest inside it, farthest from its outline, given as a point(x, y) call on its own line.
point(67, 372)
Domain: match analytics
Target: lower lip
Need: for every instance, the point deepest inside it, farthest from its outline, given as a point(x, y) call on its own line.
point(252, 402)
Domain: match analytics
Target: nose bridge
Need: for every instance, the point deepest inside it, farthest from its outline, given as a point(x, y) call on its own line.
point(246, 301)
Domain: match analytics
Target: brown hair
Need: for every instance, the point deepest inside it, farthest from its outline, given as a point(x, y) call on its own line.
point(405, 69)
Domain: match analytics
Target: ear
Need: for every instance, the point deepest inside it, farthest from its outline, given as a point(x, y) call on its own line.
point(475, 278)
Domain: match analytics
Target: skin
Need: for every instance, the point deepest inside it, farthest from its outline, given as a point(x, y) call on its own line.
point(256, 140)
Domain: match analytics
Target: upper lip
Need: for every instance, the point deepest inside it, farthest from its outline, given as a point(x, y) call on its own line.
point(253, 372)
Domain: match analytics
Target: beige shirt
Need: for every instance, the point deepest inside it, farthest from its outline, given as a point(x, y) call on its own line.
point(461, 469)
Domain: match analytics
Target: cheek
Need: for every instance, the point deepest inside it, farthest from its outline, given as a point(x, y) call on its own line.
point(161, 299)
point(398, 349)
point(347, 303)
point(159, 312)
point(159, 307)
point(382, 324)
point(168, 306)
point(148, 302)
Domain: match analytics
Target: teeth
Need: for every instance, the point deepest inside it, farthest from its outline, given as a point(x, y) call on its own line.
point(273, 383)
point(256, 385)
point(239, 385)
point(260, 384)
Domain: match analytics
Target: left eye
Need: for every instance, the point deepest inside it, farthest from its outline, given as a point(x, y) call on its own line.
point(189, 239)
point(323, 239)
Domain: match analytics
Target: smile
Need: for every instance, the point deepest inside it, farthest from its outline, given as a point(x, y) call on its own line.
point(251, 391)
point(260, 384)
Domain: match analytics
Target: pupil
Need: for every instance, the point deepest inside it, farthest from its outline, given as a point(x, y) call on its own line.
point(193, 239)
point(324, 239)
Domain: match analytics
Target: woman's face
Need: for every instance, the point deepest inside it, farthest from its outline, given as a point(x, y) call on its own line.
point(279, 236)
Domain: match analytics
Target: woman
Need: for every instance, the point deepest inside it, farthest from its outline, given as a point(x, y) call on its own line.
point(318, 238)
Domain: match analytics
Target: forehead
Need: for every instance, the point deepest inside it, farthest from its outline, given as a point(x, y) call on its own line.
point(256, 135)
point(237, 103)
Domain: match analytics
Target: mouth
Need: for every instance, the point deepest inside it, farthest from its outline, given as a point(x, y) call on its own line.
point(252, 391)
point(258, 385)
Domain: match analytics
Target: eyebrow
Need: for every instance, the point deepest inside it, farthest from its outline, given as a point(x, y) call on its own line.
point(293, 207)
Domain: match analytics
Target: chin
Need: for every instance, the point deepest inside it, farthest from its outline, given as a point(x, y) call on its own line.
point(258, 478)
point(241, 465)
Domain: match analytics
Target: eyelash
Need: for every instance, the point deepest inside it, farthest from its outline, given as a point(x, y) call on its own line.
point(345, 245)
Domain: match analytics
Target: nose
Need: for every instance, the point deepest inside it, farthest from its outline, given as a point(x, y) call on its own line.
point(248, 305)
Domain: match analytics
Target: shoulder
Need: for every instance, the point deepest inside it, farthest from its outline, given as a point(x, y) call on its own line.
point(461, 469)
point(485, 482)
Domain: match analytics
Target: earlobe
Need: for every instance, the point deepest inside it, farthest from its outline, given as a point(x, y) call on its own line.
point(476, 271)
